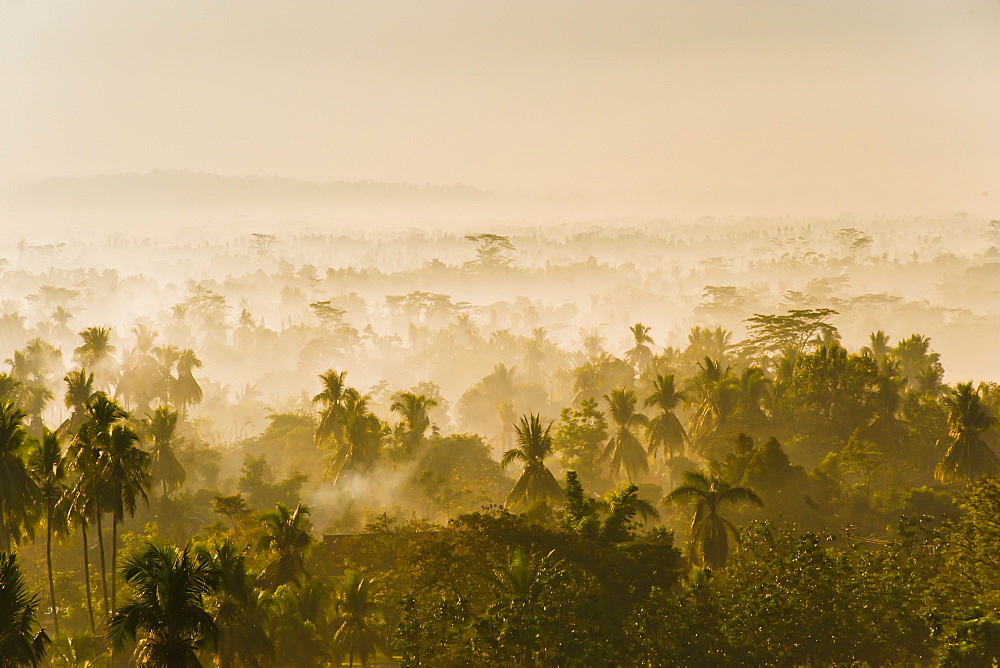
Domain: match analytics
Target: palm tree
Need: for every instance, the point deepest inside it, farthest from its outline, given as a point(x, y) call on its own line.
point(34, 400)
point(712, 536)
point(622, 506)
point(878, 348)
point(239, 612)
point(287, 538)
point(715, 394)
point(624, 448)
point(639, 355)
point(186, 389)
point(89, 491)
point(886, 429)
point(125, 469)
point(506, 415)
point(48, 469)
point(96, 353)
point(10, 388)
point(536, 482)
point(143, 376)
point(20, 644)
point(665, 430)
point(413, 409)
point(358, 628)
point(160, 428)
point(331, 421)
point(362, 433)
point(968, 457)
point(18, 490)
point(79, 393)
point(168, 587)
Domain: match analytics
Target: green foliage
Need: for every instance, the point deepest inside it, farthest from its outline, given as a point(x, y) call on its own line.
point(578, 438)
point(811, 599)
point(165, 612)
point(457, 473)
point(20, 643)
point(257, 483)
point(789, 333)
point(536, 482)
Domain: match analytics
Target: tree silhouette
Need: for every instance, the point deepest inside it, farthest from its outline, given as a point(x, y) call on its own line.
point(413, 409)
point(536, 482)
point(20, 644)
point(491, 250)
point(358, 626)
point(124, 470)
point(97, 354)
point(49, 467)
point(968, 457)
point(362, 436)
point(18, 491)
point(331, 421)
point(160, 429)
point(623, 448)
point(665, 429)
point(240, 612)
point(286, 539)
point(712, 536)
point(640, 354)
point(166, 606)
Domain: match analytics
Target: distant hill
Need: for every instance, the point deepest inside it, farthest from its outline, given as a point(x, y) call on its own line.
point(180, 188)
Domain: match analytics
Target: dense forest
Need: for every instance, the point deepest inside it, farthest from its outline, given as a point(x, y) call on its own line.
point(703, 444)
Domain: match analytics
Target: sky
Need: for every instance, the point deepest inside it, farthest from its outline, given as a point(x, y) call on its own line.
point(739, 107)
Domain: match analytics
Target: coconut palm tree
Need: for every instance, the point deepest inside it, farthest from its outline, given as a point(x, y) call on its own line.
point(665, 429)
point(359, 629)
point(166, 611)
point(124, 468)
point(10, 388)
point(18, 491)
point(536, 482)
point(362, 434)
point(623, 448)
point(142, 377)
point(186, 390)
point(79, 393)
point(506, 416)
point(239, 612)
point(640, 353)
point(714, 393)
point(878, 348)
point(49, 467)
point(968, 457)
point(20, 643)
point(413, 409)
point(712, 536)
point(886, 429)
point(287, 539)
point(160, 429)
point(331, 421)
point(97, 354)
point(88, 494)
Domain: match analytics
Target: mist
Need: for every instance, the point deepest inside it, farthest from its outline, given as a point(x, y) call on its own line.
point(454, 334)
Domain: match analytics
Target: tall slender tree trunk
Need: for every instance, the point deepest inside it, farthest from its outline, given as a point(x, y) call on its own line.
point(48, 562)
point(114, 558)
point(86, 578)
point(104, 569)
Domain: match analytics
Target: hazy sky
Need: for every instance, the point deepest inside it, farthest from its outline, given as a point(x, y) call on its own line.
point(735, 106)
